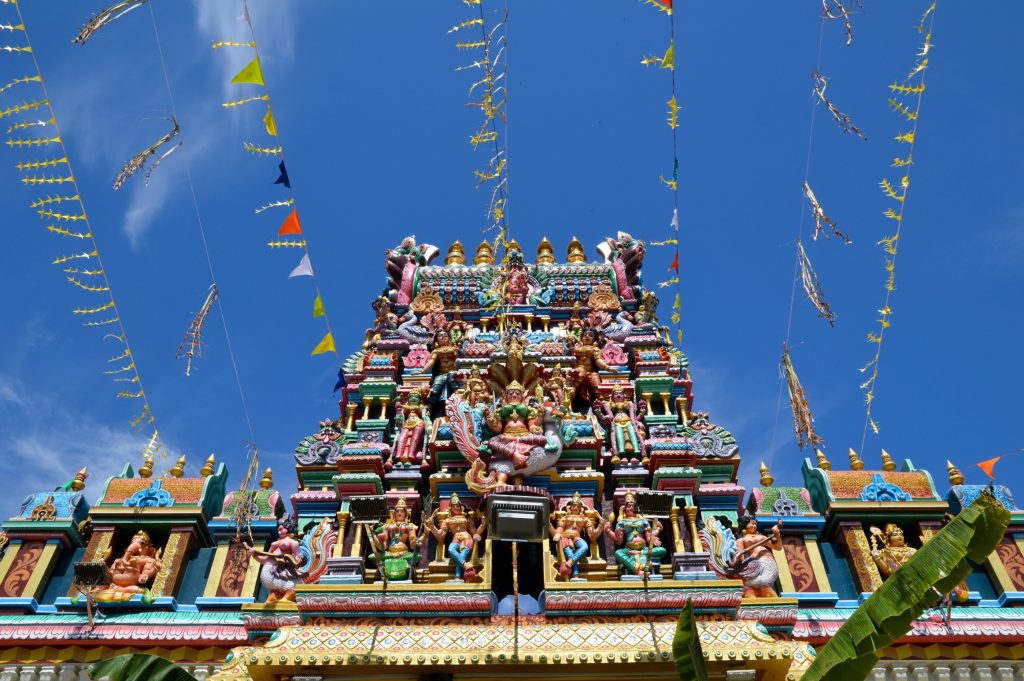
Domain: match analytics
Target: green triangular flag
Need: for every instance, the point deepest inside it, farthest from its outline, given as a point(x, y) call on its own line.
point(667, 62)
point(252, 73)
point(318, 307)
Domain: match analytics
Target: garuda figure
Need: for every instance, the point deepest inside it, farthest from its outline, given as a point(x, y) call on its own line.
point(641, 551)
point(509, 437)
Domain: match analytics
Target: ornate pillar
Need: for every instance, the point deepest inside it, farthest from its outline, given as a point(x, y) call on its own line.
point(232, 573)
point(865, 572)
point(26, 566)
point(817, 565)
point(175, 553)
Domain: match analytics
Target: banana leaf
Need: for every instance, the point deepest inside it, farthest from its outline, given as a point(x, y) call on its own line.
point(686, 651)
point(139, 667)
point(931, 573)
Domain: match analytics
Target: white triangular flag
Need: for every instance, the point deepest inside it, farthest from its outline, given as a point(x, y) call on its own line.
point(304, 269)
point(675, 219)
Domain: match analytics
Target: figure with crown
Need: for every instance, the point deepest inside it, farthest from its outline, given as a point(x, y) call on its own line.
point(395, 543)
point(464, 533)
point(641, 551)
point(573, 529)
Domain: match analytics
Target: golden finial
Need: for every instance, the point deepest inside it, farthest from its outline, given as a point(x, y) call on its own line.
point(513, 246)
point(456, 256)
point(575, 251)
point(147, 467)
point(823, 462)
point(484, 254)
point(178, 469)
point(855, 463)
point(766, 476)
point(207, 469)
point(78, 484)
point(545, 253)
point(267, 481)
point(887, 463)
point(955, 476)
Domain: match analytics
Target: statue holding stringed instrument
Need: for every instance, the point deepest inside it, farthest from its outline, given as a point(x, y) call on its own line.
point(281, 562)
point(747, 555)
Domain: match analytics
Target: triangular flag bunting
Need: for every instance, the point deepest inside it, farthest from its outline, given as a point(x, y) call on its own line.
point(291, 224)
point(675, 263)
point(669, 60)
point(675, 219)
point(989, 466)
point(251, 74)
point(326, 345)
point(268, 121)
point(318, 307)
point(304, 269)
point(283, 177)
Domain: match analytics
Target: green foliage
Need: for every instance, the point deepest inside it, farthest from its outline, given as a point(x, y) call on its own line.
point(934, 571)
point(686, 650)
point(139, 667)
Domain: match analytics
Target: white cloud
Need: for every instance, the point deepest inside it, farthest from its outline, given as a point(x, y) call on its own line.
point(46, 445)
point(273, 21)
point(147, 202)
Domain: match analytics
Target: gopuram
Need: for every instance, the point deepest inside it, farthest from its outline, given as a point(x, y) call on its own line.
point(519, 480)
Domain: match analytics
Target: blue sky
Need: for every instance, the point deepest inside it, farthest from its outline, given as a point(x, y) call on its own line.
point(371, 116)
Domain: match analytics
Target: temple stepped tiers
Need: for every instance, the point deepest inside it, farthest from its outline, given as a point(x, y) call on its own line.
point(518, 480)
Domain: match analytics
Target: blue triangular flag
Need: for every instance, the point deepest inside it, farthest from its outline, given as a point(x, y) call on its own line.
point(341, 381)
point(283, 179)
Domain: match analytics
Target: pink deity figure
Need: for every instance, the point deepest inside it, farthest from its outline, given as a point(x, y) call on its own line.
point(280, 573)
point(518, 427)
point(754, 561)
point(586, 379)
point(626, 432)
point(412, 424)
point(136, 568)
point(517, 287)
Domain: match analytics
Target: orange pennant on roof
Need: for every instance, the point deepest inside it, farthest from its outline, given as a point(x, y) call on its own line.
point(988, 466)
point(291, 224)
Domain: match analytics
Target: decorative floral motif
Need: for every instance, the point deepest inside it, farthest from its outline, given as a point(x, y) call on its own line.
point(881, 491)
point(153, 496)
point(21, 569)
point(710, 441)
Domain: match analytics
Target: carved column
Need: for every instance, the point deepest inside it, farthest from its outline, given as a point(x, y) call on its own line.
point(175, 554)
point(817, 564)
point(865, 572)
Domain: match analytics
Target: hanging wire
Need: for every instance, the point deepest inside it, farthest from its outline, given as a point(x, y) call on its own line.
point(202, 230)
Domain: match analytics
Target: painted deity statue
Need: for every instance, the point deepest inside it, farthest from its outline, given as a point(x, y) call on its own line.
point(130, 573)
point(574, 325)
point(559, 387)
point(641, 551)
point(280, 573)
point(413, 422)
point(754, 560)
point(442, 358)
point(894, 552)
point(626, 430)
point(588, 360)
point(398, 539)
point(573, 529)
point(518, 427)
point(464, 536)
point(477, 390)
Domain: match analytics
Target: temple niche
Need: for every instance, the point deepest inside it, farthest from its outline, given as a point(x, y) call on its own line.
point(517, 475)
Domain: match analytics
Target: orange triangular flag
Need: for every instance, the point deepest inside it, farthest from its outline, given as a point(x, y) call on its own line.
point(989, 465)
point(291, 224)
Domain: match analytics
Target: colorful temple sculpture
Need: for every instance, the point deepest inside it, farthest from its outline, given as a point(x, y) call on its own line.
point(517, 481)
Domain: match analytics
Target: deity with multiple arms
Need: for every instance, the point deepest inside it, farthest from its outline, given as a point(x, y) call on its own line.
point(465, 536)
point(574, 528)
point(641, 551)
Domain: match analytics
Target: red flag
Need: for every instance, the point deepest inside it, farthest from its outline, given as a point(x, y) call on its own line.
point(667, 3)
point(291, 224)
point(675, 263)
point(989, 465)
